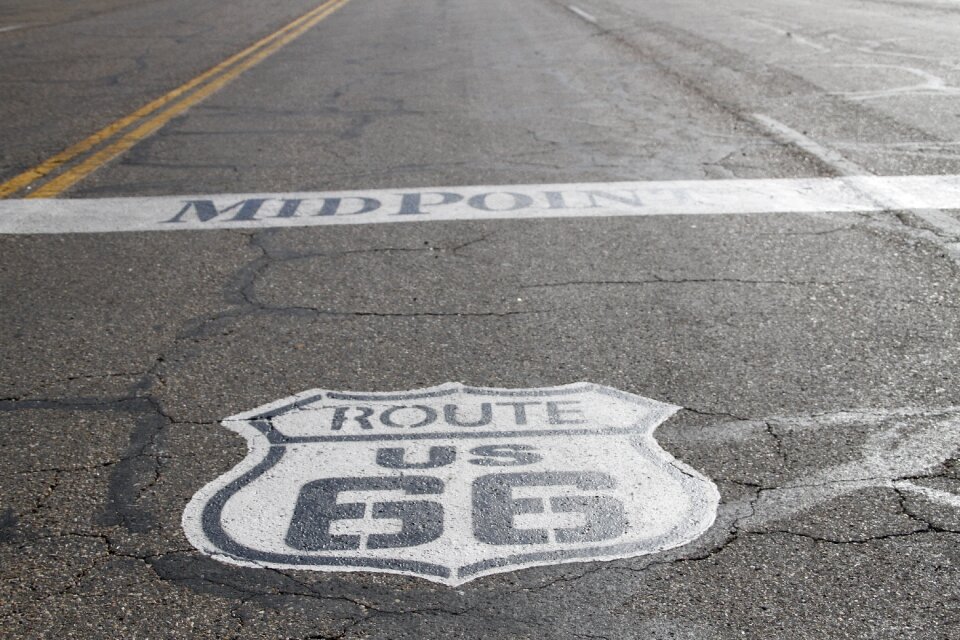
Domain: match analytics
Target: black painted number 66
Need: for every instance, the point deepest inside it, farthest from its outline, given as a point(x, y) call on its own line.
point(494, 506)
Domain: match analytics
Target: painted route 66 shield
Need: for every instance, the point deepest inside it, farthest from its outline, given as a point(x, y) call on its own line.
point(450, 483)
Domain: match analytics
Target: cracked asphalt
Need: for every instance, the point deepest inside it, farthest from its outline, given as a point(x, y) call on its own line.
point(815, 356)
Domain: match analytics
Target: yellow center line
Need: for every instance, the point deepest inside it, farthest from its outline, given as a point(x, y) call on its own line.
point(226, 69)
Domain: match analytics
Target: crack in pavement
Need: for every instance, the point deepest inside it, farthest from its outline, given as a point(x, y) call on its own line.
point(243, 302)
point(716, 414)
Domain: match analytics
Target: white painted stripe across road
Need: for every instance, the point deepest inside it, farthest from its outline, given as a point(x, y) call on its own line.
point(686, 197)
point(938, 220)
point(583, 14)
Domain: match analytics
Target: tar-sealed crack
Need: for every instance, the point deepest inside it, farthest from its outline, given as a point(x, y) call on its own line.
point(143, 459)
point(778, 440)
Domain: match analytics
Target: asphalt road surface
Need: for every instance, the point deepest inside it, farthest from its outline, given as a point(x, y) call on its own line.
point(812, 349)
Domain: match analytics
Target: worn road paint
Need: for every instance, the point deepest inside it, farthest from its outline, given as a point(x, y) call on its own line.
point(12, 27)
point(911, 444)
point(935, 496)
point(931, 85)
point(450, 483)
point(886, 194)
point(790, 136)
point(583, 14)
point(176, 101)
point(700, 197)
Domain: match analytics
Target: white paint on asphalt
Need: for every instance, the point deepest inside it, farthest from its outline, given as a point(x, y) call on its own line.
point(450, 483)
point(859, 193)
point(790, 136)
point(937, 496)
point(931, 84)
point(906, 443)
point(887, 194)
point(931, 150)
point(583, 14)
point(12, 27)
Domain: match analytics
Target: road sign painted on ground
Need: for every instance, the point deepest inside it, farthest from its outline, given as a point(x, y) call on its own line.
point(380, 206)
point(450, 483)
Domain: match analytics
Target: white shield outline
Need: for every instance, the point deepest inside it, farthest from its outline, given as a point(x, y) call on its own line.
point(202, 516)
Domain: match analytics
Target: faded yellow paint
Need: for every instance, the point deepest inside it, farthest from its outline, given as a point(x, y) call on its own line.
point(209, 82)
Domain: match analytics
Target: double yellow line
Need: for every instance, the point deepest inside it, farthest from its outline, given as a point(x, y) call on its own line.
point(143, 122)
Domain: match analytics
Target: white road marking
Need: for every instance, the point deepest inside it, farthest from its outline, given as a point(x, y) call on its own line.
point(450, 483)
point(875, 48)
point(916, 442)
point(583, 14)
point(12, 27)
point(942, 149)
point(793, 137)
point(885, 192)
point(932, 84)
point(859, 193)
